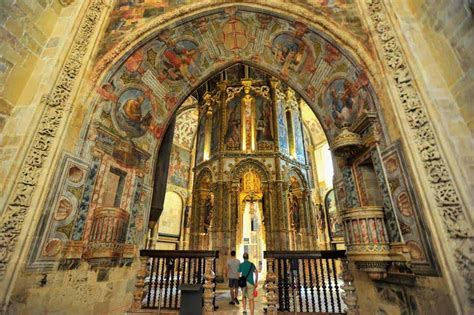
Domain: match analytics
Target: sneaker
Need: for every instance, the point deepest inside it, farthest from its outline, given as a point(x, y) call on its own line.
point(245, 312)
point(232, 302)
point(237, 301)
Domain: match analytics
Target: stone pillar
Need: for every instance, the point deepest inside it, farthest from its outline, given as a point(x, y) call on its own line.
point(139, 285)
point(349, 296)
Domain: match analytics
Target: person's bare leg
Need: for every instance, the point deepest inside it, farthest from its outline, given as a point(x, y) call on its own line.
point(244, 302)
point(251, 305)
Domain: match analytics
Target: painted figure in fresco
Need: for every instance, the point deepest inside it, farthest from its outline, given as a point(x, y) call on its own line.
point(232, 136)
point(288, 51)
point(347, 101)
point(264, 124)
point(134, 112)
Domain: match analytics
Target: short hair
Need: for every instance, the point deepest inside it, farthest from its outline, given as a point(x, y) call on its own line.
point(246, 255)
point(232, 253)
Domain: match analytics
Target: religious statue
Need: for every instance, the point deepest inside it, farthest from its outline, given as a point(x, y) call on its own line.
point(294, 209)
point(209, 213)
point(247, 105)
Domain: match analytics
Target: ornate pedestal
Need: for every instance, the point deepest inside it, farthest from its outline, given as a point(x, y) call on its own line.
point(108, 233)
point(366, 239)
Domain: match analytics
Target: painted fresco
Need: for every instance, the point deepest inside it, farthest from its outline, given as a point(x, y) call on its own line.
point(335, 225)
point(216, 127)
point(170, 219)
point(299, 145)
point(200, 139)
point(180, 163)
point(347, 100)
point(282, 129)
point(185, 128)
point(232, 134)
point(170, 65)
point(408, 211)
point(130, 14)
point(265, 133)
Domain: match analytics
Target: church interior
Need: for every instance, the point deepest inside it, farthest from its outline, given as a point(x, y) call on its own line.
point(142, 141)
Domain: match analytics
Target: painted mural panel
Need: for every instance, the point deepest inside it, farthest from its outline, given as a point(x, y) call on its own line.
point(406, 207)
point(299, 145)
point(170, 65)
point(216, 127)
point(232, 136)
point(180, 163)
point(200, 139)
point(334, 222)
point(282, 128)
point(170, 219)
point(265, 132)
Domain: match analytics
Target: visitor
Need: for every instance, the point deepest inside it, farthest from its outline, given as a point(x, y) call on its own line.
point(247, 269)
point(232, 273)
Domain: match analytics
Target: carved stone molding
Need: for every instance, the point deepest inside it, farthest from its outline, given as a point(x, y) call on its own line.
point(55, 104)
point(450, 207)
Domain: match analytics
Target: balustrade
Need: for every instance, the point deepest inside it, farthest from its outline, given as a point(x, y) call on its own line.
point(308, 281)
point(163, 271)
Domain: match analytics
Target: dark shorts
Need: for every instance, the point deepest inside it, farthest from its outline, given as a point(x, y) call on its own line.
point(233, 283)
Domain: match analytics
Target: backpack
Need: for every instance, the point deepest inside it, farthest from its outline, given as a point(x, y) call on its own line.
point(243, 280)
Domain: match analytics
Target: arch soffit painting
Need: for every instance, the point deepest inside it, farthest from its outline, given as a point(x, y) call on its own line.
point(249, 164)
point(333, 36)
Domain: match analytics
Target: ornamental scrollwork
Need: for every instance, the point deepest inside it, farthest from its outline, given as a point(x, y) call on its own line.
point(445, 194)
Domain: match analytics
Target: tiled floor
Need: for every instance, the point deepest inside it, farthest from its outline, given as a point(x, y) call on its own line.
point(223, 298)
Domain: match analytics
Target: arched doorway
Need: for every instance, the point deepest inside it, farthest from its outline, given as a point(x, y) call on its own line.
point(286, 68)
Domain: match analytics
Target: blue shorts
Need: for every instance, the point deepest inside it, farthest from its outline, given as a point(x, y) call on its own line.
point(233, 283)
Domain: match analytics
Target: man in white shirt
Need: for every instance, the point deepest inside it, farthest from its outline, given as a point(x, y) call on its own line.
point(232, 273)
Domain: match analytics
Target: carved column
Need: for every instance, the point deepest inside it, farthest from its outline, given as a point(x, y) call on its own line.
point(271, 288)
point(349, 296)
point(209, 276)
point(139, 285)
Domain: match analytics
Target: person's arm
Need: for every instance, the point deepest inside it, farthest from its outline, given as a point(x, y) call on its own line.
point(225, 270)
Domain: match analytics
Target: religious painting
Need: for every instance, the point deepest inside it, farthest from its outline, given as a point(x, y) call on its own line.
point(347, 100)
point(216, 127)
point(200, 139)
point(288, 51)
point(264, 124)
point(180, 59)
point(282, 128)
point(232, 135)
point(180, 163)
point(334, 222)
point(299, 145)
point(170, 219)
point(134, 112)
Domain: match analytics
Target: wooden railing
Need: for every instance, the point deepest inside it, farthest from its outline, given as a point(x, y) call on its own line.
point(163, 271)
point(309, 281)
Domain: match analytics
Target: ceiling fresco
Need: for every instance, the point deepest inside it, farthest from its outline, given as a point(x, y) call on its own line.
point(127, 15)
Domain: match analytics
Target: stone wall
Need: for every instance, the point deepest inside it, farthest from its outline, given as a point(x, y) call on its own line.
point(33, 36)
point(78, 291)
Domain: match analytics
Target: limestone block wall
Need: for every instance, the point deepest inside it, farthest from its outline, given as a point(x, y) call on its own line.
point(440, 39)
point(33, 37)
point(78, 291)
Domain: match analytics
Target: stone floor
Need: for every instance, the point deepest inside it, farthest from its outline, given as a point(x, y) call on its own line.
point(223, 298)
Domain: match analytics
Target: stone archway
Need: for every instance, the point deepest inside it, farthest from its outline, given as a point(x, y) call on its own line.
point(453, 213)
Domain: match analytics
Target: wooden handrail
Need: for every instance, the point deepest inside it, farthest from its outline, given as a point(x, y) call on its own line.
point(305, 254)
point(179, 253)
